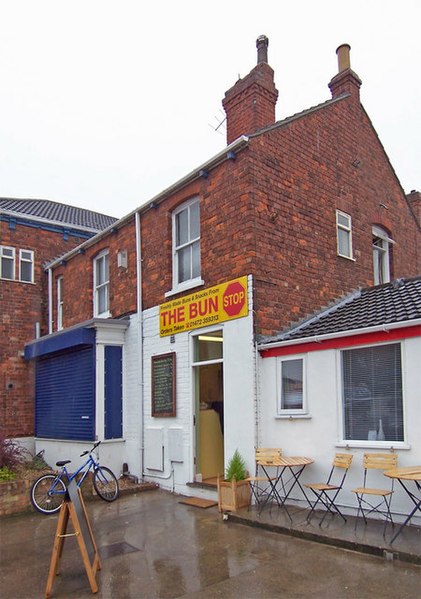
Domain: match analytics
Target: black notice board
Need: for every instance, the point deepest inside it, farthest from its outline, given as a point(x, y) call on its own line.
point(163, 385)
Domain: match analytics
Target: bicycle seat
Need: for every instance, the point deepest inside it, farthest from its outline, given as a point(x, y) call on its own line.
point(63, 462)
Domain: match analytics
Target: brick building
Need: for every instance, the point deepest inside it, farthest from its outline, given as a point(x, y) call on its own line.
point(32, 232)
point(290, 217)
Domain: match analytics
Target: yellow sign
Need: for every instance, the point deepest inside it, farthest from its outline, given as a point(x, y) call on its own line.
point(208, 306)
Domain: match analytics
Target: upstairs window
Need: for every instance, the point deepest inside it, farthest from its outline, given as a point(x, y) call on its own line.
point(26, 266)
point(101, 285)
point(7, 263)
point(372, 393)
point(291, 388)
point(344, 234)
point(59, 303)
point(381, 256)
point(186, 243)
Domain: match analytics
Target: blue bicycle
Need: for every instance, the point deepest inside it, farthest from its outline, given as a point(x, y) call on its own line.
point(48, 491)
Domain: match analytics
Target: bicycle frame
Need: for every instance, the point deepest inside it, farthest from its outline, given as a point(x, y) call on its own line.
point(93, 465)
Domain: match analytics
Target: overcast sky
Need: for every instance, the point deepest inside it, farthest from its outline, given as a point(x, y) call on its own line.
point(105, 103)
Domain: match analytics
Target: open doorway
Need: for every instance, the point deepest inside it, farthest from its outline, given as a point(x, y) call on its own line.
point(209, 403)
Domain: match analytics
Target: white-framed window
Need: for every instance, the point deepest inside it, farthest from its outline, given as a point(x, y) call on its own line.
point(7, 262)
point(344, 234)
point(291, 385)
point(372, 396)
point(381, 255)
point(101, 284)
point(26, 266)
point(59, 303)
point(186, 244)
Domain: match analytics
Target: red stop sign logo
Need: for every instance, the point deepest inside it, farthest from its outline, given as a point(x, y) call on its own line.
point(234, 298)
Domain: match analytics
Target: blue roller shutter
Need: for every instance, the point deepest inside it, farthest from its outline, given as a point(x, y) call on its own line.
point(113, 408)
point(65, 395)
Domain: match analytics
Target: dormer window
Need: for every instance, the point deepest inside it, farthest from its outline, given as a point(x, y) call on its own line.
point(381, 255)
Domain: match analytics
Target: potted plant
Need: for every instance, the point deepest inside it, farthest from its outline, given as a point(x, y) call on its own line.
point(234, 489)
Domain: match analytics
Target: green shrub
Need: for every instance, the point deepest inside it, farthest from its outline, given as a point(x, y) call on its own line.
point(6, 474)
point(236, 468)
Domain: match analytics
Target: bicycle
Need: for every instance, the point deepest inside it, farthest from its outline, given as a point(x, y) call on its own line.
point(48, 491)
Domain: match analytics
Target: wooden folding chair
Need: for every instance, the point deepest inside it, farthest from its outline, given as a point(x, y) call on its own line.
point(376, 461)
point(260, 485)
point(327, 492)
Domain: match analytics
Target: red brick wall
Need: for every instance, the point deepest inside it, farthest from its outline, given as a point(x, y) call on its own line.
point(78, 279)
point(22, 305)
point(271, 213)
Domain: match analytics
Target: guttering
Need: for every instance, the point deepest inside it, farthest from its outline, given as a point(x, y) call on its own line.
point(222, 156)
point(46, 221)
point(348, 333)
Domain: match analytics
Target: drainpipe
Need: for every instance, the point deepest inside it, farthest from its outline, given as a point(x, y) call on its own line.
point(140, 335)
point(50, 300)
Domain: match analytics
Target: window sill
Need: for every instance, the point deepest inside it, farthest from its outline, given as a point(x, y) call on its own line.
point(103, 315)
point(185, 287)
point(303, 416)
point(347, 257)
point(374, 445)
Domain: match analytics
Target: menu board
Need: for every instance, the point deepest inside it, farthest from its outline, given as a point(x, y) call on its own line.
point(163, 385)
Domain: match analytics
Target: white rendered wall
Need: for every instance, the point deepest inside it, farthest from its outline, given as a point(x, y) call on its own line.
point(319, 435)
point(239, 396)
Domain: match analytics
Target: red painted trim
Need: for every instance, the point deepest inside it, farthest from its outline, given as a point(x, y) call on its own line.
point(346, 341)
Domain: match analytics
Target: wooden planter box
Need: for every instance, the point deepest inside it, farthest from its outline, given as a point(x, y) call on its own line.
point(233, 495)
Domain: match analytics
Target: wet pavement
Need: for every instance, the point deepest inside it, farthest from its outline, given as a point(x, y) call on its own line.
point(153, 546)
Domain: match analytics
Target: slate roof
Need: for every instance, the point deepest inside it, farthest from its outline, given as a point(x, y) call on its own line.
point(59, 213)
point(394, 302)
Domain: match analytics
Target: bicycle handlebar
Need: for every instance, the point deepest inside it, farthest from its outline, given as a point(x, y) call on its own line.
point(95, 445)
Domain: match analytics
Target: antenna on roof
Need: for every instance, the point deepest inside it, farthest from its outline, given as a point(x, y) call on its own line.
point(220, 126)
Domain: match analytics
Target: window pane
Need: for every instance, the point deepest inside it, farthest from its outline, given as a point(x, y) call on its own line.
point(292, 385)
point(343, 220)
point(343, 243)
point(196, 259)
point(372, 391)
point(184, 268)
point(103, 299)
point(7, 268)
point(182, 227)
point(208, 347)
point(194, 221)
point(26, 272)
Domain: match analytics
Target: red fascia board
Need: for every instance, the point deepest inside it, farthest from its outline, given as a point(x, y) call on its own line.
point(346, 341)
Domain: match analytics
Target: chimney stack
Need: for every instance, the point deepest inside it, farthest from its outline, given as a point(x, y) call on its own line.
point(346, 81)
point(262, 44)
point(344, 61)
point(250, 104)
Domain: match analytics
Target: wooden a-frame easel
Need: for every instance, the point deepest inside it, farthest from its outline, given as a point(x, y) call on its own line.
point(73, 508)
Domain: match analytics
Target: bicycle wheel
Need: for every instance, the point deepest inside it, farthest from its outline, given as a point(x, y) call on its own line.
point(105, 483)
point(48, 493)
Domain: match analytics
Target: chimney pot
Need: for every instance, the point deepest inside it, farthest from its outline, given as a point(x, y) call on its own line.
point(262, 44)
point(344, 61)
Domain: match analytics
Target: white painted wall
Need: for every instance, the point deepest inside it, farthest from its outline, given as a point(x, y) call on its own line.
point(319, 435)
point(239, 396)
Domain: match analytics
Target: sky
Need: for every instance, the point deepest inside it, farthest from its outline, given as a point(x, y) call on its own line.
point(105, 103)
